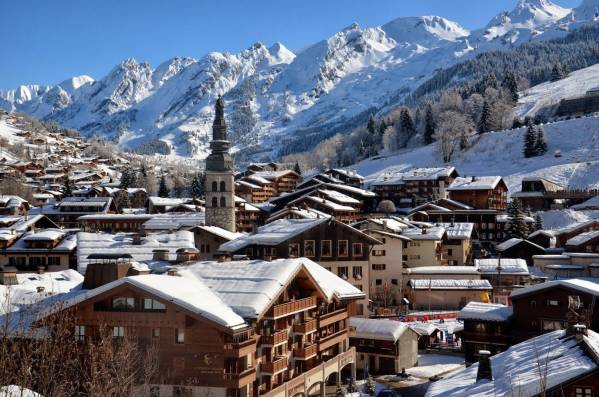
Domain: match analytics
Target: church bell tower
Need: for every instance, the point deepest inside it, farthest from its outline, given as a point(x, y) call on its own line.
point(220, 181)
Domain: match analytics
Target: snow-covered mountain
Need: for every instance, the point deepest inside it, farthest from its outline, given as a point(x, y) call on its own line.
point(276, 98)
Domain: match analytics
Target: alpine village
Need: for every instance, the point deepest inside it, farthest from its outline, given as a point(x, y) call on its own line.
point(253, 241)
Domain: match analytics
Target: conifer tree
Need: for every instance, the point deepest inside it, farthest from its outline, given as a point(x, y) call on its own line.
point(406, 124)
point(558, 72)
point(297, 169)
point(516, 226)
point(429, 125)
point(371, 126)
point(540, 144)
point(484, 123)
point(68, 192)
point(197, 185)
point(370, 387)
point(530, 140)
point(511, 84)
point(162, 188)
point(538, 221)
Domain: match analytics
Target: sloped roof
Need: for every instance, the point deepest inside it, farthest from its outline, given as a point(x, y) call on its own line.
point(585, 286)
point(378, 329)
point(515, 266)
point(485, 312)
point(475, 183)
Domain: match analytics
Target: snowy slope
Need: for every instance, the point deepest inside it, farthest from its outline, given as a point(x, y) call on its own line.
point(500, 153)
point(550, 94)
point(273, 95)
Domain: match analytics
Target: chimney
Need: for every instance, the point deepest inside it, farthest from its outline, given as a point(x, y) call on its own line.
point(136, 239)
point(160, 254)
point(187, 255)
point(579, 331)
point(484, 366)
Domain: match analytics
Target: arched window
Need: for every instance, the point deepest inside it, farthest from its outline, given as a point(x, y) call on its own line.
point(214, 186)
point(223, 202)
point(222, 186)
point(214, 202)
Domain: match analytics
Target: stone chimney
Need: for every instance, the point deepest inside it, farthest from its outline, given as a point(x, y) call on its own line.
point(579, 331)
point(485, 371)
point(187, 254)
point(160, 254)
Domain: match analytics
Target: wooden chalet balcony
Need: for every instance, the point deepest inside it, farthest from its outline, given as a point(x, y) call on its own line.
point(306, 352)
point(277, 338)
point(238, 380)
point(331, 317)
point(333, 339)
point(274, 367)
point(305, 327)
point(240, 349)
point(292, 307)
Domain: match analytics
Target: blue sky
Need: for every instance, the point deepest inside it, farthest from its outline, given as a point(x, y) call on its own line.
point(46, 42)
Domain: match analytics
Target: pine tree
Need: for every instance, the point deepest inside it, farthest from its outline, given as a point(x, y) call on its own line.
point(484, 123)
point(143, 171)
point(558, 72)
point(68, 192)
point(429, 125)
point(530, 140)
point(162, 189)
point(516, 226)
point(352, 387)
point(540, 144)
point(371, 126)
point(197, 185)
point(128, 179)
point(339, 392)
point(297, 169)
point(538, 221)
point(511, 84)
point(406, 123)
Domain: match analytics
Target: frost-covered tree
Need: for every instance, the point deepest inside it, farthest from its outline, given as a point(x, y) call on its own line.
point(406, 125)
point(539, 221)
point(128, 179)
point(197, 185)
point(516, 226)
point(558, 72)
point(454, 131)
point(429, 125)
point(68, 190)
point(485, 121)
point(297, 169)
point(369, 387)
point(530, 140)
point(163, 190)
point(540, 147)
point(510, 83)
point(371, 126)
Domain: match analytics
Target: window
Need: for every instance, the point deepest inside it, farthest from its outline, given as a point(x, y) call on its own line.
point(342, 248)
point(379, 266)
point(155, 391)
point(222, 186)
point(552, 302)
point(414, 257)
point(155, 333)
point(293, 250)
point(357, 249)
point(80, 332)
point(270, 251)
point(214, 186)
point(214, 202)
point(53, 261)
point(309, 248)
point(179, 336)
point(342, 272)
point(180, 391)
point(357, 272)
point(379, 252)
point(358, 286)
point(326, 248)
point(379, 281)
point(394, 281)
point(552, 325)
point(223, 202)
point(151, 304)
point(583, 392)
point(449, 252)
point(118, 332)
point(414, 244)
point(123, 303)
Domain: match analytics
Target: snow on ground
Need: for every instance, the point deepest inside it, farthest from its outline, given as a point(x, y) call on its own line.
point(557, 219)
point(551, 93)
point(500, 153)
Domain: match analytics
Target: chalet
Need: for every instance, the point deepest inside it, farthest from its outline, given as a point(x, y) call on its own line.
point(425, 247)
point(272, 183)
point(584, 242)
point(519, 248)
point(334, 245)
point(446, 294)
point(282, 338)
point(480, 192)
point(568, 359)
point(67, 212)
point(553, 306)
point(114, 223)
point(543, 238)
point(486, 327)
point(347, 177)
point(247, 216)
point(504, 274)
point(563, 235)
point(457, 243)
point(209, 238)
point(45, 249)
point(341, 207)
point(13, 205)
point(297, 213)
point(536, 193)
point(415, 186)
point(252, 192)
point(383, 346)
point(567, 265)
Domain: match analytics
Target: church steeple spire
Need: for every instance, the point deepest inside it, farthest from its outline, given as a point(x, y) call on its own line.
point(219, 159)
point(219, 126)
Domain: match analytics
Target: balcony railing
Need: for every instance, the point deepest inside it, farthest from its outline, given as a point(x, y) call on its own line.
point(292, 307)
point(306, 352)
point(331, 317)
point(330, 340)
point(305, 327)
point(237, 380)
point(240, 349)
point(274, 367)
point(277, 338)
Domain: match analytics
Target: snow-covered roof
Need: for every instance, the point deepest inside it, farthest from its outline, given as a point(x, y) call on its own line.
point(351, 189)
point(512, 266)
point(378, 329)
point(122, 243)
point(426, 233)
point(44, 235)
point(116, 217)
point(416, 174)
point(458, 230)
point(583, 238)
point(592, 203)
point(442, 270)
point(187, 292)
point(485, 312)
point(475, 183)
point(250, 287)
point(219, 231)
point(514, 241)
point(441, 284)
point(175, 221)
point(516, 371)
point(585, 286)
point(338, 197)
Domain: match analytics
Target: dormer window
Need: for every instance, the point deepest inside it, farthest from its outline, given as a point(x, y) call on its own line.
point(122, 303)
point(153, 305)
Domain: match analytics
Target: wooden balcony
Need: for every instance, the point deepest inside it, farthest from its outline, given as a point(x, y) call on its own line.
point(274, 367)
point(240, 349)
point(306, 352)
point(275, 339)
point(236, 381)
point(292, 307)
point(332, 317)
point(333, 339)
point(305, 327)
